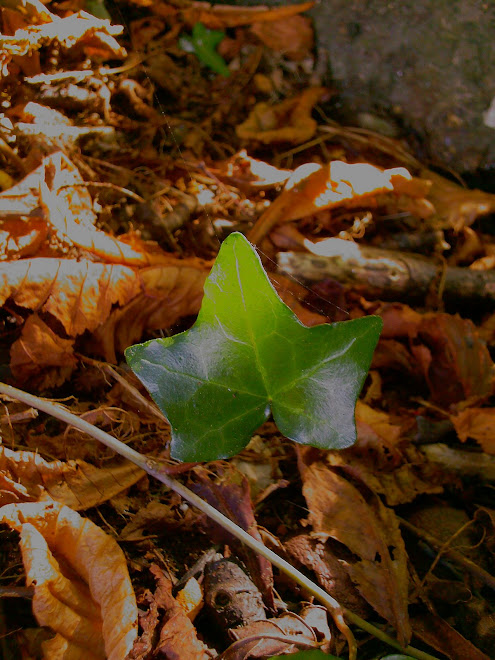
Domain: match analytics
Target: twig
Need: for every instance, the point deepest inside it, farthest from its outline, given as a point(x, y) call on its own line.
point(386, 274)
point(152, 467)
point(454, 555)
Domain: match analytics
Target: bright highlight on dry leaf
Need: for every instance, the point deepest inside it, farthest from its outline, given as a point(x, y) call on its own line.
point(133, 287)
point(313, 187)
point(96, 35)
point(289, 121)
point(26, 476)
point(82, 589)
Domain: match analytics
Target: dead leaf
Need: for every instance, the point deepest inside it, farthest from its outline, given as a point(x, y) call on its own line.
point(436, 632)
point(26, 476)
point(166, 293)
point(455, 206)
point(456, 364)
point(368, 529)
point(157, 517)
point(21, 237)
point(312, 188)
point(292, 36)
point(330, 572)
point(289, 121)
point(94, 35)
point(478, 424)
point(220, 16)
point(247, 173)
point(80, 294)
point(82, 589)
point(231, 496)
point(178, 638)
point(40, 356)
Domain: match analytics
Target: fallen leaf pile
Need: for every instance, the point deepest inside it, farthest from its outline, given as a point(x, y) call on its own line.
point(129, 149)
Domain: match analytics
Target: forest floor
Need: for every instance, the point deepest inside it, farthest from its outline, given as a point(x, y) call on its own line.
point(131, 146)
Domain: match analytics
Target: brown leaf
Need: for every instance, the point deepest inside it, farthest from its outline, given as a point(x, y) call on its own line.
point(26, 476)
point(313, 188)
point(457, 207)
point(21, 237)
point(166, 293)
point(178, 638)
point(368, 529)
point(156, 516)
point(291, 36)
point(82, 589)
point(460, 367)
point(436, 632)
point(67, 208)
point(478, 424)
point(289, 121)
point(386, 463)
point(40, 356)
point(231, 496)
point(79, 29)
point(330, 571)
point(224, 16)
point(80, 294)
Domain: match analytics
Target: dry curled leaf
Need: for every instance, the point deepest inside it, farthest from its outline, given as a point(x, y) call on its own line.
point(82, 589)
point(292, 36)
point(368, 529)
point(478, 424)
point(94, 35)
point(289, 121)
point(456, 364)
point(40, 356)
point(455, 206)
point(221, 16)
point(312, 188)
point(26, 476)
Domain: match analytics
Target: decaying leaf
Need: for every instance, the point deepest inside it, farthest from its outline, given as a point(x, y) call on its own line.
point(95, 35)
point(82, 589)
point(26, 476)
point(220, 16)
point(478, 424)
point(330, 572)
point(385, 462)
point(456, 364)
point(178, 638)
point(313, 187)
point(455, 206)
point(232, 497)
point(40, 356)
point(289, 121)
point(291, 36)
point(368, 529)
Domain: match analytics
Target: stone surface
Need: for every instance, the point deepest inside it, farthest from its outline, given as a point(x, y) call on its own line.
point(427, 67)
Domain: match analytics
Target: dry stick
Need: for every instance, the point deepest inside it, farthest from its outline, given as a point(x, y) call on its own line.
point(152, 467)
point(386, 274)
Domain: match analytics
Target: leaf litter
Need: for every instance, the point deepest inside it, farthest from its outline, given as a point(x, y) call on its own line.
point(124, 160)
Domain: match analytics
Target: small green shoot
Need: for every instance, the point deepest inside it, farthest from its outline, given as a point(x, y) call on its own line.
point(203, 43)
point(248, 355)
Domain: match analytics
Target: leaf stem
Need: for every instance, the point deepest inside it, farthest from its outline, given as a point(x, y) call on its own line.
point(153, 468)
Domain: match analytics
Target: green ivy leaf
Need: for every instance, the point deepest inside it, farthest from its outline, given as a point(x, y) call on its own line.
point(246, 355)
